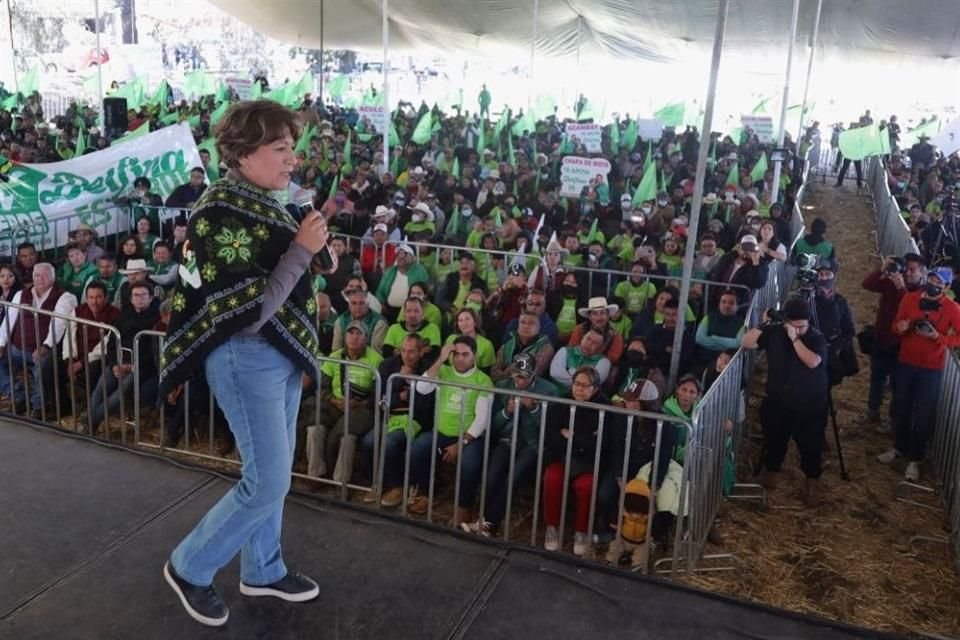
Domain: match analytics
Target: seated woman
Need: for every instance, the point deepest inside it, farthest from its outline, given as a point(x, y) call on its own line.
point(580, 431)
point(770, 247)
point(467, 323)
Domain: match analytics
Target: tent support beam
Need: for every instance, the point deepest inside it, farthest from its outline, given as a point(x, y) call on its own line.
point(533, 52)
point(705, 140)
point(386, 92)
point(806, 84)
point(778, 165)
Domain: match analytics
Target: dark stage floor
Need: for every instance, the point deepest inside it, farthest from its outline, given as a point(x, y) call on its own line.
point(85, 530)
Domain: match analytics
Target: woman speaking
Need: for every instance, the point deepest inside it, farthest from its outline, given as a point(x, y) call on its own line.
point(242, 314)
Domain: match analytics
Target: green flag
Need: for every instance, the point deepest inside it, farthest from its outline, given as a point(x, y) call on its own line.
point(733, 178)
point(511, 156)
point(501, 123)
point(159, 96)
point(630, 135)
point(911, 137)
point(81, 144)
point(713, 156)
point(303, 144)
point(760, 168)
point(302, 88)
point(139, 132)
point(421, 135)
point(647, 189)
point(615, 137)
point(218, 113)
point(857, 144)
point(223, 92)
point(593, 231)
point(31, 81)
point(395, 165)
point(133, 92)
point(671, 115)
point(544, 107)
point(170, 118)
point(199, 83)
point(256, 91)
point(394, 137)
point(210, 145)
point(338, 86)
point(455, 172)
point(761, 107)
point(526, 123)
point(10, 102)
point(481, 138)
point(648, 160)
point(334, 186)
point(347, 166)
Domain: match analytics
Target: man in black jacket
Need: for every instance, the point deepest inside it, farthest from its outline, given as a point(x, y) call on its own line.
point(409, 360)
point(186, 195)
point(117, 379)
point(453, 293)
point(742, 267)
point(834, 320)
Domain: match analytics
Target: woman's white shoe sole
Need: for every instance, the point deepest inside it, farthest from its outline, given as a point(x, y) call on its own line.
point(248, 590)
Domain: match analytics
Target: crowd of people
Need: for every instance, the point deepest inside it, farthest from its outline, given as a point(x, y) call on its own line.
point(460, 263)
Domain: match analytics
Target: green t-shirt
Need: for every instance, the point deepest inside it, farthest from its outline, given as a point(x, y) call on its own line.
point(567, 318)
point(463, 289)
point(361, 379)
point(635, 295)
point(431, 313)
point(452, 400)
point(112, 284)
point(75, 280)
point(397, 332)
point(623, 326)
point(486, 354)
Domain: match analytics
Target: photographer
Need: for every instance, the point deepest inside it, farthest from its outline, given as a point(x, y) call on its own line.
point(895, 277)
point(835, 322)
point(797, 392)
point(928, 324)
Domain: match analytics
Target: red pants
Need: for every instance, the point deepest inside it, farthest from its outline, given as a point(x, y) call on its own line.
point(553, 496)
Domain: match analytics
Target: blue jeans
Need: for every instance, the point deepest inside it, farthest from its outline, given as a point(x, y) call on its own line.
point(258, 389)
point(498, 472)
point(915, 401)
point(471, 466)
point(394, 455)
point(19, 358)
point(116, 390)
point(882, 367)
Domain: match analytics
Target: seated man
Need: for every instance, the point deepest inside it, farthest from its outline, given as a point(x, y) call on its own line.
point(76, 272)
point(116, 381)
point(28, 339)
point(660, 341)
point(26, 260)
point(527, 338)
point(359, 310)
point(85, 236)
point(536, 303)
point(719, 330)
point(136, 272)
point(86, 344)
point(163, 270)
point(108, 275)
point(597, 314)
point(463, 416)
point(523, 446)
point(394, 287)
point(186, 195)
point(568, 359)
point(409, 360)
point(413, 322)
point(452, 295)
point(339, 385)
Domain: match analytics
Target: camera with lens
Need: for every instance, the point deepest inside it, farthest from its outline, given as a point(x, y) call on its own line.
point(896, 265)
point(774, 317)
point(929, 304)
point(806, 264)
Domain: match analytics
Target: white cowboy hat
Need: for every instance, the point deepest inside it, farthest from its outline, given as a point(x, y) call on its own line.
point(134, 266)
point(383, 213)
point(598, 304)
point(710, 198)
point(424, 208)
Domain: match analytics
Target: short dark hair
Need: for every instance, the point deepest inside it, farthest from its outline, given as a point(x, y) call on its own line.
point(672, 303)
point(198, 170)
point(96, 284)
point(108, 255)
point(73, 245)
point(26, 245)
point(249, 125)
point(142, 181)
point(162, 244)
point(140, 285)
point(468, 342)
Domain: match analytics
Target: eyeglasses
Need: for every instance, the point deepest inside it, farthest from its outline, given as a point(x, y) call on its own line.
point(582, 385)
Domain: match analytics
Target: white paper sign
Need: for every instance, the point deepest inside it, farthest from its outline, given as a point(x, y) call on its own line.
point(376, 116)
point(761, 125)
point(588, 135)
point(576, 173)
point(242, 86)
point(649, 128)
point(948, 140)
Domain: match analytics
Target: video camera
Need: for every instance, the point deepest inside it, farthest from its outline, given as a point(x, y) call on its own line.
point(774, 317)
point(806, 264)
point(896, 265)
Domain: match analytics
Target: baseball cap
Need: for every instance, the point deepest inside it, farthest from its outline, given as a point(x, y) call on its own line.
point(642, 390)
point(748, 243)
point(517, 269)
point(359, 326)
point(380, 227)
point(523, 364)
point(944, 273)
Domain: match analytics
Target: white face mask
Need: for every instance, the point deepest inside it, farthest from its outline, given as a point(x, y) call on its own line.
point(466, 213)
point(662, 203)
point(645, 210)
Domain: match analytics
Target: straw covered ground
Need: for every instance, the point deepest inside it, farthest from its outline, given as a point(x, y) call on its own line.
point(851, 559)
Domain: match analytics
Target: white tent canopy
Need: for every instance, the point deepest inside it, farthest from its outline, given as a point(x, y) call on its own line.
point(654, 30)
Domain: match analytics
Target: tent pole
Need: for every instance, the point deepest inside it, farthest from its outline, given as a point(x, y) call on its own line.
point(386, 94)
point(96, 13)
point(705, 137)
point(533, 52)
point(806, 84)
point(13, 50)
point(778, 165)
point(320, 88)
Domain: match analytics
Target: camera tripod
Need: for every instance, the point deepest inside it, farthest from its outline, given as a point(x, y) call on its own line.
point(807, 294)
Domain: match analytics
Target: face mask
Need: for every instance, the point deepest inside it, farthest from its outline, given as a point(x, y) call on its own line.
point(933, 291)
point(661, 203)
point(569, 290)
point(476, 306)
point(635, 359)
point(645, 210)
point(825, 285)
point(587, 209)
point(466, 213)
point(418, 217)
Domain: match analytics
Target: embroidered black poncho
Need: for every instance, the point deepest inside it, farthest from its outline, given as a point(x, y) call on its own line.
point(235, 238)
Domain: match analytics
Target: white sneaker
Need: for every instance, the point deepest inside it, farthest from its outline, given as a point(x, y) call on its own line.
point(480, 528)
point(912, 473)
point(889, 456)
point(579, 544)
point(551, 540)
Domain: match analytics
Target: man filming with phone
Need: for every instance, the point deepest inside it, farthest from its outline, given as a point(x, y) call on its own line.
point(928, 324)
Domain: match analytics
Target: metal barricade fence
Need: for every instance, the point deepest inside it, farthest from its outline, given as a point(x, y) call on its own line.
point(894, 239)
point(609, 418)
point(54, 376)
point(189, 405)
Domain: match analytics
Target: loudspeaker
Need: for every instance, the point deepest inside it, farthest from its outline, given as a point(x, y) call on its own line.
point(115, 116)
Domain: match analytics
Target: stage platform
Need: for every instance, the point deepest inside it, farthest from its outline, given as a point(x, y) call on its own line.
point(85, 529)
